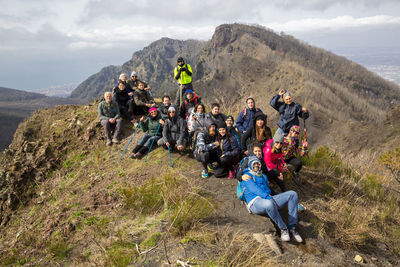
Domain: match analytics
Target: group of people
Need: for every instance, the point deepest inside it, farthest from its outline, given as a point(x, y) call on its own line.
point(245, 150)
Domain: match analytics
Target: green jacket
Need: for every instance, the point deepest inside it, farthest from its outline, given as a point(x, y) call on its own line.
point(108, 110)
point(142, 97)
point(151, 125)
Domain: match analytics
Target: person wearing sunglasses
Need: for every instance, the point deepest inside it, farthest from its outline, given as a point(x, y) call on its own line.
point(273, 158)
point(149, 126)
point(294, 148)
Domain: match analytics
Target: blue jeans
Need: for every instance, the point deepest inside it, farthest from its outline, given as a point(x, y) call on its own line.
point(147, 139)
point(263, 206)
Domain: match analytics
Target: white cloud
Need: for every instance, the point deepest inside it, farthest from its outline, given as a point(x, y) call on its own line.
point(340, 22)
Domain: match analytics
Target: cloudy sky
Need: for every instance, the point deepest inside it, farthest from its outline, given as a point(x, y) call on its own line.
point(50, 42)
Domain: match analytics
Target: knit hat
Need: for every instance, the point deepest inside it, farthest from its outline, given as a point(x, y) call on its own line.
point(221, 125)
point(278, 138)
point(171, 109)
point(152, 109)
point(295, 128)
point(188, 91)
point(230, 117)
point(134, 74)
point(122, 75)
point(180, 59)
point(259, 116)
point(287, 94)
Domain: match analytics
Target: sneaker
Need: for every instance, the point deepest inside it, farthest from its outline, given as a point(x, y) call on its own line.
point(285, 237)
point(300, 208)
point(210, 168)
point(204, 174)
point(115, 141)
point(296, 235)
point(109, 142)
point(231, 174)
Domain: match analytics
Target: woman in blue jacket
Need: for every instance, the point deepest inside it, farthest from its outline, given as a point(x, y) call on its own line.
point(289, 112)
point(259, 200)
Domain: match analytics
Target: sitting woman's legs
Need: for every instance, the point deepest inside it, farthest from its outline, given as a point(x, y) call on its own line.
point(263, 206)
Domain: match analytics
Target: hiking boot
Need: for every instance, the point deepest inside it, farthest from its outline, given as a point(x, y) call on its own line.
point(132, 155)
point(109, 142)
point(285, 237)
point(231, 174)
point(138, 155)
point(115, 141)
point(210, 168)
point(296, 235)
point(300, 208)
point(204, 174)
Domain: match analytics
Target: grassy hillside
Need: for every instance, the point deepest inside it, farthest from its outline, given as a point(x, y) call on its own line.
point(66, 200)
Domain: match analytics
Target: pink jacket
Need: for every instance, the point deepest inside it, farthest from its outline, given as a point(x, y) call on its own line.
point(272, 160)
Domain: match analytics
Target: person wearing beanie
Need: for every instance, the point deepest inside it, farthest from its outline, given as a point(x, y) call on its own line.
point(258, 132)
point(289, 111)
point(245, 118)
point(122, 78)
point(206, 148)
point(259, 200)
point(174, 132)
point(122, 97)
point(231, 130)
point(228, 153)
point(191, 100)
point(293, 150)
point(143, 100)
point(183, 74)
point(109, 114)
point(152, 126)
point(273, 158)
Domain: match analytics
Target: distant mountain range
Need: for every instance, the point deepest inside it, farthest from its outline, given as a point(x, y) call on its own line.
point(57, 90)
point(16, 105)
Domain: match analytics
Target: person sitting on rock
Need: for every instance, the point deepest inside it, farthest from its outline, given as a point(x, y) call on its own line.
point(197, 119)
point(121, 96)
point(166, 104)
point(289, 111)
point(260, 201)
point(143, 100)
point(191, 100)
point(273, 158)
point(228, 152)
point(206, 147)
point(215, 115)
point(183, 73)
point(258, 132)
point(153, 126)
point(245, 118)
point(292, 150)
point(109, 114)
point(231, 130)
point(174, 132)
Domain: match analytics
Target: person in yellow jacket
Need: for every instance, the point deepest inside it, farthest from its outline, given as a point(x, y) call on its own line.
point(182, 73)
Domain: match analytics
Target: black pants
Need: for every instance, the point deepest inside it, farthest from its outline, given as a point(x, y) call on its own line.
point(273, 176)
point(297, 164)
point(207, 157)
point(226, 164)
point(140, 110)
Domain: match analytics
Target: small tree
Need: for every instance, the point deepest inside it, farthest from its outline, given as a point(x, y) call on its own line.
point(391, 160)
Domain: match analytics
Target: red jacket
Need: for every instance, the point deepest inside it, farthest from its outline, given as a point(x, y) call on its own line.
point(272, 160)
